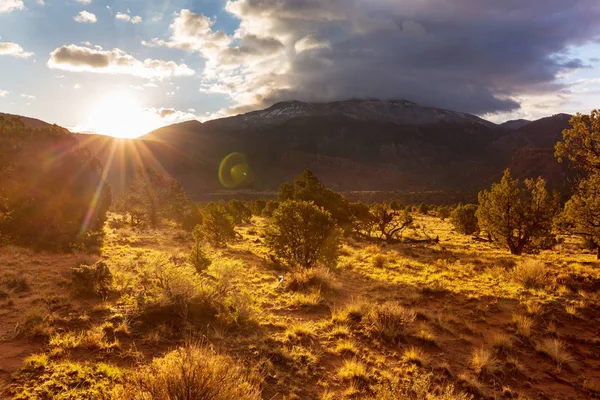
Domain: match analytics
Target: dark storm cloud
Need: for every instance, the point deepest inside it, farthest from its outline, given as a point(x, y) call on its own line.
point(476, 56)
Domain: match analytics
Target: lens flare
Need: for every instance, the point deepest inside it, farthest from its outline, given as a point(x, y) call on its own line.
point(234, 171)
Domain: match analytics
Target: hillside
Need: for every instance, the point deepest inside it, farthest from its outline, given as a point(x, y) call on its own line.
point(355, 145)
point(473, 317)
point(368, 145)
point(30, 122)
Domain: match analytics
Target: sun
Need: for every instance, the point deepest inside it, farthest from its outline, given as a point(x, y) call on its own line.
point(120, 114)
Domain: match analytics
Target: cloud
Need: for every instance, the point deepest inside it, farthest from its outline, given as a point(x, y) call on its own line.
point(150, 85)
point(14, 50)
point(85, 17)
point(126, 17)
point(467, 55)
point(77, 86)
point(28, 97)
point(4, 93)
point(84, 59)
point(84, 1)
point(41, 2)
point(171, 115)
point(7, 6)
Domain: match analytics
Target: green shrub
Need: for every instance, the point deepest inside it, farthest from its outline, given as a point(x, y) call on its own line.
point(240, 213)
point(269, 208)
point(464, 219)
point(423, 209)
point(518, 216)
point(198, 257)
point(217, 225)
point(443, 213)
point(96, 279)
point(300, 234)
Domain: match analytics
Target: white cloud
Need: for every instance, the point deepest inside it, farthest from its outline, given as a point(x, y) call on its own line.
point(170, 94)
point(14, 50)
point(7, 6)
point(84, 1)
point(83, 59)
point(77, 86)
point(150, 85)
point(171, 115)
point(41, 2)
point(28, 96)
point(85, 17)
point(126, 17)
point(4, 93)
point(191, 110)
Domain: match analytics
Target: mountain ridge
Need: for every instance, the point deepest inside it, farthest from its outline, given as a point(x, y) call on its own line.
point(353, 145)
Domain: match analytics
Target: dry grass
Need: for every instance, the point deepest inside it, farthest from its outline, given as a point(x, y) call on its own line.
point(387, 321)
point(346, 347)
point(503, 343)
point(557, 351)
point(416, 356)
point(354, 371)
point(483, 361)
point(531, 274)
point(523, 325)
point(193, 371)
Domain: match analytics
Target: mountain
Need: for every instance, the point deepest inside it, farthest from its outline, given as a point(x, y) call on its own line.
point(31, 122)
point(514, 124)
point(355, 145)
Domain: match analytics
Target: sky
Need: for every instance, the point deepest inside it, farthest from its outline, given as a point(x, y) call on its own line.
point(129, 66)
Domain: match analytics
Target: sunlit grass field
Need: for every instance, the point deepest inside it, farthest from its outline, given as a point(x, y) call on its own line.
point(456, 319)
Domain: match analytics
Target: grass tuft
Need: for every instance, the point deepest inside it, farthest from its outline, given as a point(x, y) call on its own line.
point(484, 362)
point(557, 351)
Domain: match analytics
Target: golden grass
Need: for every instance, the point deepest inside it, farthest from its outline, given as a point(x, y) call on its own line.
point(502, 342)
point(483, 361)
point(557, 351)
point(416, 356)
point(523, 325)
point(388, 321)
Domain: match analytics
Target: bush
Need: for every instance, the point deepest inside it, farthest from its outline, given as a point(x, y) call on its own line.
point(240, 213)
point(464, 219)
point(257, 207)
point(518, 216)
point(423, 209)
point(531, 274)
point(420, 386)
point(198, 257)
point(96, 279)
point(217, 225)
point(270, 208)
point(300, 234)
point(305, 279)
point(191, 372)
point(387, 321)
point(443, 213)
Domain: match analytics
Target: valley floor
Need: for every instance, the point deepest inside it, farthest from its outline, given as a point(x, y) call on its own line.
point(477, 319)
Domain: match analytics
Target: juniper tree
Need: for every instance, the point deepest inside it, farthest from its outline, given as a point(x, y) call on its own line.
point(464, 219)
point(390, 222)
point(518, 216)
point(301, 234)
point(581, 147)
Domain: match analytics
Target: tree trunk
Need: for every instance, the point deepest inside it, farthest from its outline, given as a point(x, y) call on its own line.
point(598, 252)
